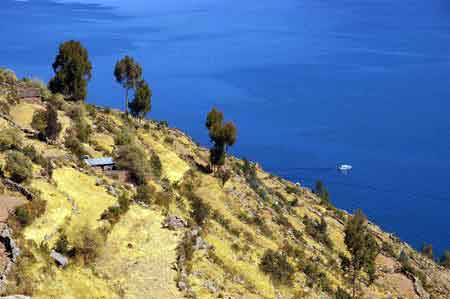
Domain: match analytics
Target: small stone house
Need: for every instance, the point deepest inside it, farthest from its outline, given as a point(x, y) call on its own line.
point(104, 163)
point(29, 93)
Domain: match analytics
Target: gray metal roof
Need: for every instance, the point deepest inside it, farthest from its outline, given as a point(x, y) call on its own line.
point(99, 161)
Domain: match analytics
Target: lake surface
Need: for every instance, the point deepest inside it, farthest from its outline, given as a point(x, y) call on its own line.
point(309, 83)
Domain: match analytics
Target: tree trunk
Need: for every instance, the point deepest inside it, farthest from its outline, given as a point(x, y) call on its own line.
point(126, 101)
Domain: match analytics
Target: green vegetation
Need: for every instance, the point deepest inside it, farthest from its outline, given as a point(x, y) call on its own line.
point(19, 166)
point(141, 103)
point(143, 194)
point(72, 71)
point(277, 266)
point(10, 138)
point(322, 192)
point(445, 259)
point(128, 73)
point(318, 231)
point(222, 136)
point(46, 123)
point(427, 250)
point(133, 158)
point(362, 247)
point(200, 210)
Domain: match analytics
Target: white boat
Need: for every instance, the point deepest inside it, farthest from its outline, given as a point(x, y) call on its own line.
point(344, 167)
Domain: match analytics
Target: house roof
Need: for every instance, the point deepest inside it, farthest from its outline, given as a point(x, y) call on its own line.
point(99, 161)
point(29, 92)
point(59, 258)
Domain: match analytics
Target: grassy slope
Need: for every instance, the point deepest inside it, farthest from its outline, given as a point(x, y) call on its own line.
point(137, 258)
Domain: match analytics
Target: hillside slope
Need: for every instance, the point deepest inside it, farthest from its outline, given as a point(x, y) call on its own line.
point(134, 256)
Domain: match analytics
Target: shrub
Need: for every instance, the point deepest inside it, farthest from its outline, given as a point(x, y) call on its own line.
point(58, 102)
point(341, 294)
point(46, 122)
point(82, 128)
point(318, 231)
point(156, 165)
point(18, 166)
point(25, 215)
point(293, 190)
point(169, 140)
point(62, 245)
point(321, 191)
point(87, 244)
point(200, 210)
point(10, 138)
point(133, 158)
point(73, 144)
point(143, 194)
point(427, 250)
point(223, 175)
point(445, 259)
point(388, 249)
point(124, 137)
point(277, 266)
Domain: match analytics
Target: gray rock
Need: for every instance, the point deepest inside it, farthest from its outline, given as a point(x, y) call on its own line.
point(10, 245)
point(420, 290)
point(173, 222)
point(200, 243)
point(98, 182)
point(59, 258)
point(211, 286)
point(16, 297)
point(182, 286)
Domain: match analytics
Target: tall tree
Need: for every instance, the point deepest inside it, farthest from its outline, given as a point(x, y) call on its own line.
point(128, 73)
point(222, 136)
point(362, 247)
point(141, 104)
point(445, 259)
point(72, 71)
point(427, 250)
point(46, 123)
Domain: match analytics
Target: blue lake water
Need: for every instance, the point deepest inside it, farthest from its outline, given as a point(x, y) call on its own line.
point(310, 83)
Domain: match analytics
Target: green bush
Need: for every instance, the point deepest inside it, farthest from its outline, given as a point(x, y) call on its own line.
point(62, 245)
point(341, 294)
point(19, 166)
point(277, 266)
point(10, 138)
point(445, 259)
point(200, 210)
point(124, 137)
point(318, 231)
point(156, 165)
point(26, 214)
point(58, 102)
point(73, 144)
point(132, 157)
point(427, 250)
point(144, 194)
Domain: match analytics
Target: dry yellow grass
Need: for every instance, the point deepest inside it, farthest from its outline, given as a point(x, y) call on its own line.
point(173, 167)
point(22, 113)
point(88, 200)
point(104, 141)
point(139, 255)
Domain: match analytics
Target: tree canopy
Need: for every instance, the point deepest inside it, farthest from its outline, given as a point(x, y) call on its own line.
point(72, 71)
point(362, 247)
point(128, 73)
point(141, 104)
point(46, 123)
point(222, 135)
